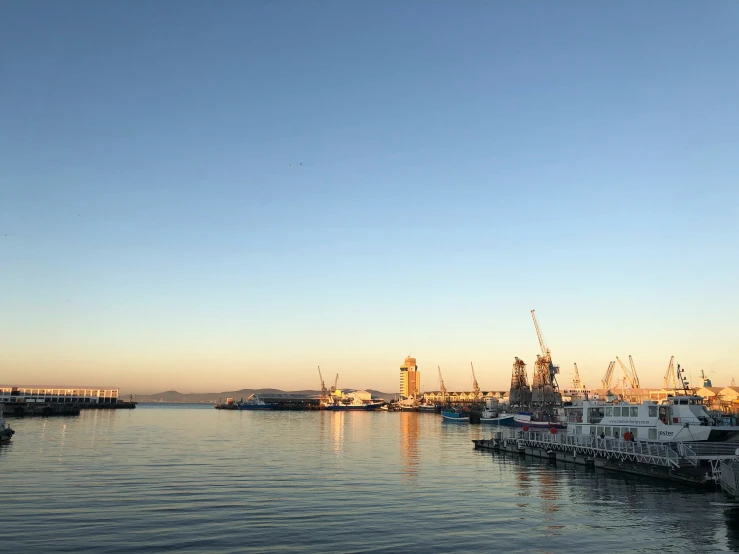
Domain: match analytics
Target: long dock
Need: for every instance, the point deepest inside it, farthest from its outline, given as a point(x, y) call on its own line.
point(694, 463)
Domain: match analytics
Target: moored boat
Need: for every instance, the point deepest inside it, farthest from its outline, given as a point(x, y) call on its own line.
point(457, 415)
point(490, 415)
point(536, 421)
point(6, 433)
point(428, 408)
point(680, 418)
point(251, 403)
point(350, 403)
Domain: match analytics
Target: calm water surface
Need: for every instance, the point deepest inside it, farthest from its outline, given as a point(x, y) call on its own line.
point(195, 479)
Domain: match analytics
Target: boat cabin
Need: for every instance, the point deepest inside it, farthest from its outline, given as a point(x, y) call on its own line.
point(679, 418)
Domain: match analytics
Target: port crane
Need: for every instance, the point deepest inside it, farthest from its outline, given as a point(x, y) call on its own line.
point(442, 388)
point(607, 378)
point(475, 387)
point(631, 376)
point(670, 381)
point(576, 382)
point(336, 384)
point(546, 354)
point(324, 395)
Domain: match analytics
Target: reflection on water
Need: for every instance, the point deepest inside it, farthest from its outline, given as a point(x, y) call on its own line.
point(732, 526)
point(203, 480)
point(337, 430)
point(410, 427)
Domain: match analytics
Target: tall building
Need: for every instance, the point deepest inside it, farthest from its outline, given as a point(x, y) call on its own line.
point(410, 379)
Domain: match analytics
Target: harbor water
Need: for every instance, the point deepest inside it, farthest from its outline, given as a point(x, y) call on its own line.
point(194, 479)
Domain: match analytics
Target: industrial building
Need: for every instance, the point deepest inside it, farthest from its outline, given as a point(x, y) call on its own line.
point(10, 394)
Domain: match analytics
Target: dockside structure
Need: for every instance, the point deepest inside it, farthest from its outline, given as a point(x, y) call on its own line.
point(13, 394)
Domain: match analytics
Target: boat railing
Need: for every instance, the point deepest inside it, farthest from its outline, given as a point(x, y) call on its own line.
point(729, 477)
point(686, 452)
point(713, 449)
point(608, 446)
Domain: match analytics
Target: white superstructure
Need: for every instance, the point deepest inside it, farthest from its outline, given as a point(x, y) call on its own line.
point(677, 419)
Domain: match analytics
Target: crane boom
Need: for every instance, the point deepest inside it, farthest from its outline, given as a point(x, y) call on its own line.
point(475, 386)
point(634, 375)
point(336, 382)
point(606, 381)
point(323, 385)
point(442, 388)
point(576, 382)
point(669, 378)
point(542, 344)
point(627, 373)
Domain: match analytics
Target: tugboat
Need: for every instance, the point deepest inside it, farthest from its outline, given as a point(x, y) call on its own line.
point(6, 433)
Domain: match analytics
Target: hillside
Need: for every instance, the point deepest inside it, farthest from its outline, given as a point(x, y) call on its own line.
point(176, 396)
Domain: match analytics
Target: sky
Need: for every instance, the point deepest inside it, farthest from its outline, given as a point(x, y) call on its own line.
point(207, 196)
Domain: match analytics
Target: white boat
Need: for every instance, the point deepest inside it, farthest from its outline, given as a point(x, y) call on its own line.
point(680, 418)
point(350, 403)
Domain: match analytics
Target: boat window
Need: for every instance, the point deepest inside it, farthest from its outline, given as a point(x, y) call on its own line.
point(632, 430)
point(595, 415)
point(653, 434)
point(617, 412)
point(609, 412)
point(692, 402)
point(615, 432)
point(652, 411)
point(578, 430)
point(608, 431)
point(634, 411)
point(683, 402)
point(600, 431)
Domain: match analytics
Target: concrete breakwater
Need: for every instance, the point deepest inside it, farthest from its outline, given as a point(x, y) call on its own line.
point(23, 409)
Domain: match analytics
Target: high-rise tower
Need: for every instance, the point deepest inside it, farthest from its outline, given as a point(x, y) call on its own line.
point(410, 379)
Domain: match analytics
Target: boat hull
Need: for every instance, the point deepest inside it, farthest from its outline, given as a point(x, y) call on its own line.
point(257, 407)
point(524, 421)
point(455, 417)
point(428, 409)
point(504, 421)
point(350, 408)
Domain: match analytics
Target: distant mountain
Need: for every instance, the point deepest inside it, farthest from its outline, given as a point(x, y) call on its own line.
point(176, 396)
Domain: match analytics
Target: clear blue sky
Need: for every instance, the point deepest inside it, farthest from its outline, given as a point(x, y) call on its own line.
point(462, 163)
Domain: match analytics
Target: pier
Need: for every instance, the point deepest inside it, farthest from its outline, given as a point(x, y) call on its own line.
point(694, 463)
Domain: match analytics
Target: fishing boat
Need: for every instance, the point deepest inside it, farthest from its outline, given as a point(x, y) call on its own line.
point(6, 433)
point(536, 421)
point(491, 415)
point(428, 408)
point(408, 405)
point(457, 415)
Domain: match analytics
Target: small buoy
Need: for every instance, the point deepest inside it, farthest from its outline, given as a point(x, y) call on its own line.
point(664, 420)
point(525, 427)
point(553, 430)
